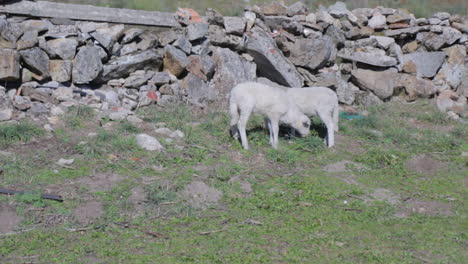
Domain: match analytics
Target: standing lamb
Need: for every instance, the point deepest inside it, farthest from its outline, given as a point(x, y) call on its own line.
point(314, 101)
point(272, 102)
point(318, 101)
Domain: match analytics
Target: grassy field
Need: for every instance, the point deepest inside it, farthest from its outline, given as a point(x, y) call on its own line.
point(421, 8)
point(393, 190)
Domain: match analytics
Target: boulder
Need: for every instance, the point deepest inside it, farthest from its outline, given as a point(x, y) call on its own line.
point(416, 87)
point(338, 9)
point(28, 40)
point(231, 69)
point(383, 42)
point(63, 94)
point(426, 64)
point(370, 56)
point(367, 98)
point(381, 83)
point(218, 37)
point(274, 9)
point(214, 17)
point(406, 31)
point(63, 48)
point(36, 25)
point(107, 36)
point(36, 60)
point(183, 44)
point(197, 90)
point(401, 16)
point(450, 101)
point(137, 79)
point(130, 34)
point(410, 46)
point(9, 34)
point(161, 78)
point(311, 53)
point(269, 59)
point(175, 60)
point(378, 21)
point(441, 15)
point(21, 102)
point(148, 142)
point(298, 8)
point(9, 65)
point(87, 65)
point(453, 70)
point(121, 67)
point(197, 31)
point(60, 70)
point(234, 25)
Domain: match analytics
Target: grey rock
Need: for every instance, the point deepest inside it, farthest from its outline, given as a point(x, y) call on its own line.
point(298, 8)
point(167, 37)
point(337, 35)
point(109, 96)
point(461, 27)
point(28, 40)
point(21, 102)
point(119, 114)
point(6, 114)
point(63, 94)
point(148, 143)
point(338, 9)
point(383, 42)
point(122, 66)
point(231, 70)
point(148, 41)
point(367, 98)
point(9, 65)
point(62, 31)
point(168, 100)
point(274, 9)
point(427, 63)
point(201, 196)
point(416, 87)
point(36, 25)
point(441, 15)
point(60, 70)
point(367, 12)
point(197, 31)
point(131, 34)
point(234, 25)
point(431, 40)
point(373, 57)
point(87, 65)
point(377, 21)
point(270, 61)
point(311, 54)
point(451, 35)
point(218, 37)
point(137, 80)
point(183, 44)
point(36, 60)
point(422, 21)
point(434, 21)
point(9, 34)
point(107, 36)
point(436, 29)
point(214, 17)
point(198, 91)
point(381, 83)
point(406, 31)
point(175, 60)
point(63, 48)
point(399, 17)
point(161, 78)
point(323, 16)
point(128, 49)
point(38, 108)
point(454, 70)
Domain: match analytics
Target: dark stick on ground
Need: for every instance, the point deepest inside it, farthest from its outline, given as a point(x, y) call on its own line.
point(54, 197)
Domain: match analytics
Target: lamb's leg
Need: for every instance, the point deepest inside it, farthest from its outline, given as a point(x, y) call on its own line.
point(234, 112)
point(327, 119)
point(270, 131)
point(336, 113)
point(275, 127)
point(242, 125)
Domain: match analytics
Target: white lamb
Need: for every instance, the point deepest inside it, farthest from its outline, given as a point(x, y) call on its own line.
point(272, 102)
point(314, 101)
point(318, 101)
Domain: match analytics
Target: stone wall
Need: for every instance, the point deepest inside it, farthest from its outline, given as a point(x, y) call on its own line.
point(368, 56)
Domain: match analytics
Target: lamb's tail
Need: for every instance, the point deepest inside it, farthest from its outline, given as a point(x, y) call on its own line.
point(336, 112)
point(234, 112)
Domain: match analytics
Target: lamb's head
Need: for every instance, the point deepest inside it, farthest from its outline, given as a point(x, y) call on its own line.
point(302, 125)
point(298, 121)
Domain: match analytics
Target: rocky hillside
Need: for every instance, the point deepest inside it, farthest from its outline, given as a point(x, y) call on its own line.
point(368, 56)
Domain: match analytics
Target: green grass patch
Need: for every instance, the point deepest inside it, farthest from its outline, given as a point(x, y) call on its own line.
point(23, 131)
